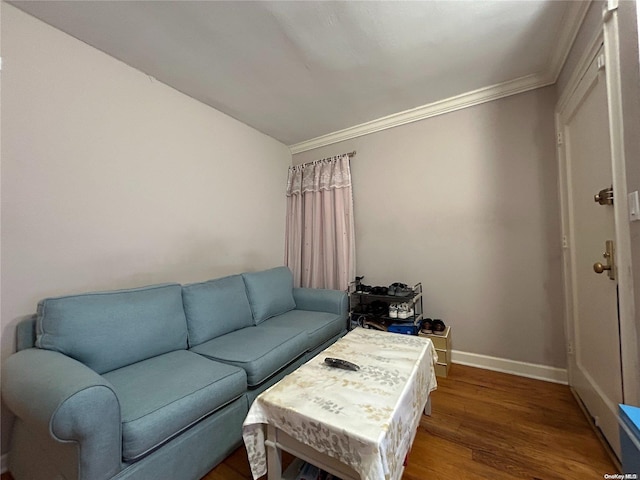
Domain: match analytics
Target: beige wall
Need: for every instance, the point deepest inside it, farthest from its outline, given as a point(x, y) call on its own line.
point(111, 179)
point(467, 203)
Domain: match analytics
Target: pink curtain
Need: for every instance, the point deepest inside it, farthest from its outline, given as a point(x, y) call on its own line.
point(320, 240)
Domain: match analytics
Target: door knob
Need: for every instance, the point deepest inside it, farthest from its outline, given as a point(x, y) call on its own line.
point(610, 264)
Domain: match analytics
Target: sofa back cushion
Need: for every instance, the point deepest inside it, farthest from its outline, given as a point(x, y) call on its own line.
point(215, 307)
point(109, 330)
point(270, 292)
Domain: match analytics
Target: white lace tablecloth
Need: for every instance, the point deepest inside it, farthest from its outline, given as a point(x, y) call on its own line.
point(365, 419)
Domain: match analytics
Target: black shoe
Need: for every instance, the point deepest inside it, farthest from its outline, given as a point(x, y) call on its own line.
point(427, 326)
point(439, 327)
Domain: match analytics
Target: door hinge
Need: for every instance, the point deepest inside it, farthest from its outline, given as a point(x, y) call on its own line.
point(565, 242)
point(601, 62)
point(634, 206)
point(608, 9)
point(559, 138)
point(570, 348)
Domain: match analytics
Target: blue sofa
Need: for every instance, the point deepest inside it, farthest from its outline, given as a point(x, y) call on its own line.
point(155, 382)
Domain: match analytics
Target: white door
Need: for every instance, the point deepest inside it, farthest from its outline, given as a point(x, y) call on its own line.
point(594, 334)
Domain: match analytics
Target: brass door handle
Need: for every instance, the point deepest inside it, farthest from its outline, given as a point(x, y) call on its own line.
point(609, 257)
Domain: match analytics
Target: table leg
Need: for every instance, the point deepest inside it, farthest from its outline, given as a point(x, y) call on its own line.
point(427, 407)
point(274, 455)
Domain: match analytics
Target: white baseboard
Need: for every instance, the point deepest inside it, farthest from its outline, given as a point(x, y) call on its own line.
point(523, 369)
point(4, 463)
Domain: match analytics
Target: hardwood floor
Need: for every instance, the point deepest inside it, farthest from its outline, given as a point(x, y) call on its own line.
point(492, 425)
point(489, 425)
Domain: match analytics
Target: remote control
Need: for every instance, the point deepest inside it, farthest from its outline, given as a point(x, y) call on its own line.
point(339, 363)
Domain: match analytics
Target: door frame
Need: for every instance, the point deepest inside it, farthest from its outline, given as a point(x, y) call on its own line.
point(608, 35)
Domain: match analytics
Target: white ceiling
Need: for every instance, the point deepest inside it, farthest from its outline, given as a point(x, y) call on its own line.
point(303, 69)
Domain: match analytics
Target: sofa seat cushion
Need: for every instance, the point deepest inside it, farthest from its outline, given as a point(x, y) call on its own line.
point(162, 396)
point(319, 326)
point(261, 351)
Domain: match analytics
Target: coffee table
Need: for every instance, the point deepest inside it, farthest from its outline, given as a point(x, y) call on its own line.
point(353, 424)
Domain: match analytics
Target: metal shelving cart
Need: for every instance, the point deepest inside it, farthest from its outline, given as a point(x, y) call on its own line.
point(371, 310)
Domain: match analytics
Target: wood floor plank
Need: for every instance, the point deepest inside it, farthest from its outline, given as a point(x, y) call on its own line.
point(428, 453)
point(506, 429)
point(489, 426)
point(226, 471)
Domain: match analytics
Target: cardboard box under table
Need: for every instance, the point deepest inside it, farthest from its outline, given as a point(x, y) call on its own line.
point(353, 424)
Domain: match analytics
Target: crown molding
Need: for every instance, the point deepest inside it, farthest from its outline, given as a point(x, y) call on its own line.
point(465, 100)
point(572, 21)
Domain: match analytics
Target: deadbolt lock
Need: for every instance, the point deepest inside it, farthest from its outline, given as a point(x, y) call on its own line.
point(604, 196)
point(609, 267)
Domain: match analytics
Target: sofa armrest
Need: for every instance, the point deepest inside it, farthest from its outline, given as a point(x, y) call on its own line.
point(322, 300)
point(66, 400)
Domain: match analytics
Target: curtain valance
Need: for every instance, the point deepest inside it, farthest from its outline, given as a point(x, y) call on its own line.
point(326, 174)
